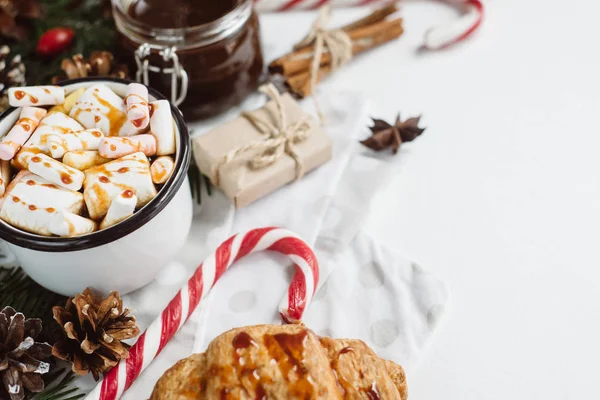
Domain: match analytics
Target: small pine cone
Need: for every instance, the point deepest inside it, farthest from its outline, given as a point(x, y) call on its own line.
point(94, 329)
point(21, 357)
point(12, 74)
point(100, 63)
point(15, 15)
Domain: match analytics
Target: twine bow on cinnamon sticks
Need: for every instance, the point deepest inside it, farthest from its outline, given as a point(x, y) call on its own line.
point(279, 138)
point(337, 43)
point(313, 59)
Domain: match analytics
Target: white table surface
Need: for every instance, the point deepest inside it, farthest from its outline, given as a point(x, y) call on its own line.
point(500, 196)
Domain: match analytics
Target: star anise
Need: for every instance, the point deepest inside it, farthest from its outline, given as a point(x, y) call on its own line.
point(385, 135)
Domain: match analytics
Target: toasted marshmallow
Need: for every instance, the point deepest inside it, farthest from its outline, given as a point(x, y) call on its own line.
point(99, 107)
point(162, 127)
point(4, 176)
point(84, 159)
point(30, 202)
point(121, 208)
point(55, 123)
point(56, 172)
point(66, 224)
point(161, 169)
point(36, 96)
point(28, 121)
point(138, 112)
point(117, 147)
point(104, 182)
point(88, 139)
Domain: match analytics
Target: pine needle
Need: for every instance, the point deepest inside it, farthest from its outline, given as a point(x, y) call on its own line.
point(25, 295)
point(60, 390)
point(197, 179)
point(92, 32)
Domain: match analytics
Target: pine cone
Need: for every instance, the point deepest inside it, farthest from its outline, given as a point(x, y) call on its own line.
point(21, 365)
point(93, 331)
point(100, 63)
point(14, 14)
point(12, 73)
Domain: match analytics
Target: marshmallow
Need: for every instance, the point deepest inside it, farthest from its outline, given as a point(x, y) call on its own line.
point(99, 107)
point(88, 139)
point(117, 147)
point(121, 208)
point(4, 176)
point(66, 224)
point(26, 216)
point(55, 123)
point(70, 100)
point(56, 172)
point(138, 112)
point(104, 182)
point(36, 96)
point(28, 120)
point(84, 159)
point(30, 201)
point(161, 169)
point(162, 127)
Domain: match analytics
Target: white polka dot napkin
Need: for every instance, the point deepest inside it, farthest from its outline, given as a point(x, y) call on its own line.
point(366, 292)
point(371, 292)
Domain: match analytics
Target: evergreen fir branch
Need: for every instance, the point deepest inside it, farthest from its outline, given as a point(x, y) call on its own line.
point(25, 295)
point(60, 390)
point(92, 32)
point(196, 179)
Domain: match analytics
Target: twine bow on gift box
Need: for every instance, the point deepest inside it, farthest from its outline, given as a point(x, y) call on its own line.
point(279, 138)
point(336, 41)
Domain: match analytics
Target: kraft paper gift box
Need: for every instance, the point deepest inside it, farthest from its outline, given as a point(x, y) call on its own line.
point(237, 178)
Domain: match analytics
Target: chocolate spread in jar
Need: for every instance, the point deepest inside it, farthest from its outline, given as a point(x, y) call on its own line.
point(222, 73)
point(179, 13)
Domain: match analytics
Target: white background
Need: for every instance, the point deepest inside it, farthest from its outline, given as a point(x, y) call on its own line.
point(500, 196)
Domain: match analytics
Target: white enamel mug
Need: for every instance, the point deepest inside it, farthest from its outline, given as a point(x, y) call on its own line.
point(126, 256)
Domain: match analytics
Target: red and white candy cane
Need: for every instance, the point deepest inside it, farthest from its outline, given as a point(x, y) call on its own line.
point(436, 38)
point(162, 329)
point(445, 36)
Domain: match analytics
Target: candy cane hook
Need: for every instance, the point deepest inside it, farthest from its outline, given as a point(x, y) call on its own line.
point(445, 36)
point(162, 329)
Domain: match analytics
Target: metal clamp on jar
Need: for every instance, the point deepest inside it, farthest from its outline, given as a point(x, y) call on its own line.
point(205, 56)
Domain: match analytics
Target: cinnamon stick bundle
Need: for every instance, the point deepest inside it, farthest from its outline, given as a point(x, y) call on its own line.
point(367, 33)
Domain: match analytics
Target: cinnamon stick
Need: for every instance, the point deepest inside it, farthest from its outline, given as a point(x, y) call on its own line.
point(376, 16)
point(366, 33)
point(299, 84)
point(363, 39)
point(353, 29)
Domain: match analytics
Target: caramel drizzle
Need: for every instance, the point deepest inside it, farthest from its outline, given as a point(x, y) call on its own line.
point(287, 350)
point(143, 101)
point(245, 367)
point(116, 117)
point(20, 94)
point(371, 392)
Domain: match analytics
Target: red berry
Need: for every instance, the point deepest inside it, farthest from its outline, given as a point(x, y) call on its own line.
point(55, 41)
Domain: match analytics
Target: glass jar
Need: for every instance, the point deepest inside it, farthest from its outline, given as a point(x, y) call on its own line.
point(204, 69)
